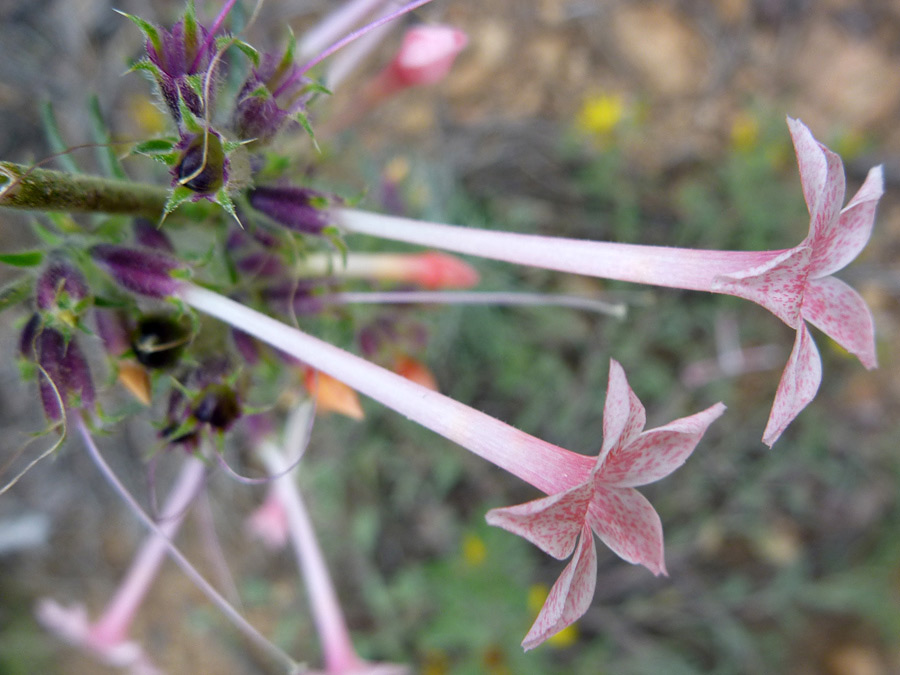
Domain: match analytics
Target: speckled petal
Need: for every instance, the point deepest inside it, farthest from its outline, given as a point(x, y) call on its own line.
point(798, 385)
point(841, 240)
point(838, 311)
point(550, 523)
point(658, 452)
point(822, 177)
point(777, 285)
point(570, 596)
point(623, 415)
point(627, 523)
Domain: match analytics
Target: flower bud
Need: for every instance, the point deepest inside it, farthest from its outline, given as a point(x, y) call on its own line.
point(218, 406)
point(158, 341)
point(65, 375)
point(298, 209)
point(140, 271)
point(150, 236)
point(203, 167)
point(426, 55)
point(59, 279)
point(271, 94)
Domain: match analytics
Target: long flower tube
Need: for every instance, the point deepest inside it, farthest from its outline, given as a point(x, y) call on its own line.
point(586, 494)
point(340, 656)
point(794, 284)
point(107, 637)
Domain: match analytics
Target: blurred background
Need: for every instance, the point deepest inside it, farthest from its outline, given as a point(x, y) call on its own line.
point(648, 122)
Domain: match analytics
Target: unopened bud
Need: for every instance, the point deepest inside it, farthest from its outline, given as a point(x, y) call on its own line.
point(141, 271)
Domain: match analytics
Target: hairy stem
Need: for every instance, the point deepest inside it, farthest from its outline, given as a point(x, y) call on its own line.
point(23, 187)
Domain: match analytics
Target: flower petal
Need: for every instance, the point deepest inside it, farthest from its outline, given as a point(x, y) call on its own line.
point(822, 177)
point(798, 385)
point(777, 285)
point(841, 240)
point(570, 596)
point(838, 311)
point(658, 452)
point(550, 523)
point(623, 415)
point(627, 523)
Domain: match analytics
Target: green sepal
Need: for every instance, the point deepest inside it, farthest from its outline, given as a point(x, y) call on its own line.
point(191, 32)
point(55, 140)
point(224, 200)
point(333, 235)
point(148, 66)
point(249, 51)
point(179, 195)
point(318, 88)
point(303, 120)
point(262, 91)
point(106, 156)
point(148, 29)
point(22, 258)
point(288, 59)
point(155, 146)
point(16, 292)
point(191, 123)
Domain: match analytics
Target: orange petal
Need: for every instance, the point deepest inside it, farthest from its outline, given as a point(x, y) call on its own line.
point(414, 370)
point(135, 379)
point(332, 395)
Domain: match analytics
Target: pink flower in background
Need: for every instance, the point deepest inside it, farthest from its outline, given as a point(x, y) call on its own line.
point(606, 504)
point(797, 285)
point(426, 55)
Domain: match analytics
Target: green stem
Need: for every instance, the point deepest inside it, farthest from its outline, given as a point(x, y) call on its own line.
point(22, 187)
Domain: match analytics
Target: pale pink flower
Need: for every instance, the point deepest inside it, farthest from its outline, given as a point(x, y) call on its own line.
point(268, 523)
point(605, 503)
point(795, 284)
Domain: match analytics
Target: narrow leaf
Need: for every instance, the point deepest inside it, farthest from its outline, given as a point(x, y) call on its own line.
point(106, 154)
point(55, 140)
point(148, 29)
point(17, 292)
point(22, 258)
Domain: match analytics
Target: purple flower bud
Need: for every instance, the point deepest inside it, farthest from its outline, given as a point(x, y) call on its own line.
point(179, 57)
point(59, 278)
point(271, 94)
point(140, 271)
point(150, 236)
point(29, 333)
point(296, 208)
point(66, 368)
point(218, 406)
point(201, 170)
point(112, 330)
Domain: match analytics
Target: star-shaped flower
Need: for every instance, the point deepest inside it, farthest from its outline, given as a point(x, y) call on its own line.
point(606, 504)
point(797, 285)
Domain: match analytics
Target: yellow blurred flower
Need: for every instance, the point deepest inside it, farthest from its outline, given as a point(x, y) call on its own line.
point(744, 132)
point(474, 550)
point(599, 115)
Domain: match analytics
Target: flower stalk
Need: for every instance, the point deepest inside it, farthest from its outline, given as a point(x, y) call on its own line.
point(35, 189)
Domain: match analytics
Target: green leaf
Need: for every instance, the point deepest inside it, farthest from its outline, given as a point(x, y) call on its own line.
point(154, 146)
point(147, 66)
point(191, 123)
point(288, 59)
point(16, 292)
point(22, 258)
point(318, 88)
point(148, 29)
point(223, 199)
point(106, 155)
point(57, 143)
point(45, 235)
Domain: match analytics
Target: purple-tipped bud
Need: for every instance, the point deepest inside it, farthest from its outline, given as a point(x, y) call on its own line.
point(203, 167)
point(269, 97)
point(58, 280)
point(298, 209)
point(140, 271)
point(180, 56)
point(150, 236)
point(112, 330)
point(64, 365)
